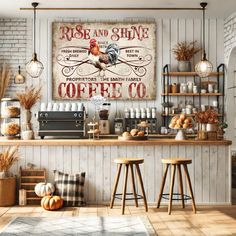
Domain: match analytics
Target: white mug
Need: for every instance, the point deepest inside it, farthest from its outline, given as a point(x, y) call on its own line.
point(49, 107)
point(188, 110)
point(195, 90)
point(61, 107)
point(210, 88)
point(67, 108)
point(55, 107)
point(43, 106)
point(80, 106)
point(203, 107)
point(215, 103)
point(74, 107)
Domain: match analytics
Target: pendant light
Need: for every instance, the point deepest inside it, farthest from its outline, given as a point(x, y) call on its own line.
point(34, 67)
point(204, 67)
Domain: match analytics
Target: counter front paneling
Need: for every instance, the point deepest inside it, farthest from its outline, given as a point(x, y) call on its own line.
point(210, 170)
point(109, 142)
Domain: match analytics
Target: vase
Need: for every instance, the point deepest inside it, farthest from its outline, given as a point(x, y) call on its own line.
point(211, 127)
point(184, 66)
point(27, 135)
point(27, 131)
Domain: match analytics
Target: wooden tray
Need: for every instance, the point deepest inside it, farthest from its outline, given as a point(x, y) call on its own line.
point(129, 138)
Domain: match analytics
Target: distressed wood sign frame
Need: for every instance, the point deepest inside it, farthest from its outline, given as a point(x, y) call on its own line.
point(114, 60)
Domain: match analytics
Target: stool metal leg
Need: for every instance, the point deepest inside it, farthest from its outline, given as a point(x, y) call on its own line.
point(115, 185)
point(171, 188)
point(162, 186)
point(190, 187)
point(124, 188)
point(133, 185)
point(141, 185)
point(180, 184)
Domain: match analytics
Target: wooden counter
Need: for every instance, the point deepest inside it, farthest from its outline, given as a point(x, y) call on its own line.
point(109, 142)
point(210, 170)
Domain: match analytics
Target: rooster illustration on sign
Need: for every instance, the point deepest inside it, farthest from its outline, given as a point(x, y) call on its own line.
point(102, 60)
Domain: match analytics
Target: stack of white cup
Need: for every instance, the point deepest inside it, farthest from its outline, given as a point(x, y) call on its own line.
point(61, 106)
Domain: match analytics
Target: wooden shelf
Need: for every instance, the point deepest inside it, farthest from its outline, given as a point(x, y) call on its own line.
point(176, 73)
point(192, 115)
point(28, 184)
point(192, 94)
point(33, 177)
point(33, 198)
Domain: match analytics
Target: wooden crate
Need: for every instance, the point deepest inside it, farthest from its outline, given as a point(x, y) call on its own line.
point(28, 179)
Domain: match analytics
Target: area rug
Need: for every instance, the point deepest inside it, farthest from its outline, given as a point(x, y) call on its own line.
point(120, 225)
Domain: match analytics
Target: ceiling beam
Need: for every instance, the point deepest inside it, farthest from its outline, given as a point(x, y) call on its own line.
point(113, 9)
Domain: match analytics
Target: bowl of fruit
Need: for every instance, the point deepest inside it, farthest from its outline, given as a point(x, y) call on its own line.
point(181, 123)
point(134, 134)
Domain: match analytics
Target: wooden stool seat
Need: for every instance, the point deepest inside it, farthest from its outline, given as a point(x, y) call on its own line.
point(128, 163)
point(176, 161)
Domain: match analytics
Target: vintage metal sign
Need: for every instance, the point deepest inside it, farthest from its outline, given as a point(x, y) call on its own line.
point(114, 60)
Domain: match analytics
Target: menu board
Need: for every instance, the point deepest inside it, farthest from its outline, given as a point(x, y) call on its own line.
point(114, 60)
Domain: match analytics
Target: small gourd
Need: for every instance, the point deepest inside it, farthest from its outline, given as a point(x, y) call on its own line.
point(43, 189)
point(51, 203)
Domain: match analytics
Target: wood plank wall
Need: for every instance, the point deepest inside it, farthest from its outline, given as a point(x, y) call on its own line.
point(209, 172)
point(169, 32)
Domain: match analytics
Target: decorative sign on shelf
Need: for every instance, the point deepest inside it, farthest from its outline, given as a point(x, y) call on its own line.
point(114, 60)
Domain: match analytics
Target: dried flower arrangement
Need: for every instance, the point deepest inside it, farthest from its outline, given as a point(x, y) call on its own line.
point(207, 117)
point(29, 97)
point(184, 51)
point(5, 76)
point(8, 157)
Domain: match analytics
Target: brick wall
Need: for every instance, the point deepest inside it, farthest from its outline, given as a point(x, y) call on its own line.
point(13, 48)
point(229, 36)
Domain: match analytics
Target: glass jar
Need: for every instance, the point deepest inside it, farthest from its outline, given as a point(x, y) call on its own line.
point(10, 117)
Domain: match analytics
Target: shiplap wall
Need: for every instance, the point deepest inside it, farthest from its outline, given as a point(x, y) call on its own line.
point(209, 171)
point(169, 32)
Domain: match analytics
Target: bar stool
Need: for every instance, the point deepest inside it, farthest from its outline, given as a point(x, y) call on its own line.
point(128, 163)
point(176, 162)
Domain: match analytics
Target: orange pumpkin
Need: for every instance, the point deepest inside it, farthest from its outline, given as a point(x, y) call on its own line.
point(51, 203)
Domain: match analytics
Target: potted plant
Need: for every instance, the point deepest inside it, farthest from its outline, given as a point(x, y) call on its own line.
point(207, 121)
point(27, 101)
point(7, 181)
point(184, 52)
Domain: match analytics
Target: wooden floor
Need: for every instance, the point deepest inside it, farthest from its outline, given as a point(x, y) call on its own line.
point(208, 220)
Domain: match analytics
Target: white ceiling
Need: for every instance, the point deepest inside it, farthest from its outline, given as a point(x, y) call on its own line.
point(216, 8)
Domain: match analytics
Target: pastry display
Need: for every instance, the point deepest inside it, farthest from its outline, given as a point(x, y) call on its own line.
point(181, 122)
point(134, 132)
point(126, 134)
point(10, 129)
point(10, 112)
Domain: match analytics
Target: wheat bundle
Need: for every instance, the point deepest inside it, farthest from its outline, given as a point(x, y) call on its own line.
point(5, 76)
point(8, 157)
point(184, 51)
point(29, 97)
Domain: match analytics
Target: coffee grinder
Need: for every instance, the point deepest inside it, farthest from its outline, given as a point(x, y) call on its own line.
point(104, 123)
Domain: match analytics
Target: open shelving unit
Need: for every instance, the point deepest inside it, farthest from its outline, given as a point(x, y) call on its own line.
point(217, 78)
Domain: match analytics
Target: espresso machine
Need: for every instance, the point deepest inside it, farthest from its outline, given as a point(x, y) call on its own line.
point(104, 123)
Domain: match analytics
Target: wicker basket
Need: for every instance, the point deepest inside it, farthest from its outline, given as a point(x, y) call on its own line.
point(7, 191)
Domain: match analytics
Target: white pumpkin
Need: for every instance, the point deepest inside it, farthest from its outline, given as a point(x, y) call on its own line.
point(44, 189)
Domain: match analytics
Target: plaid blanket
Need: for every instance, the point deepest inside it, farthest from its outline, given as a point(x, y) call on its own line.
point(70, 188)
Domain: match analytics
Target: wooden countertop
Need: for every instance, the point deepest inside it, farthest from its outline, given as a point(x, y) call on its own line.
point(109, 142)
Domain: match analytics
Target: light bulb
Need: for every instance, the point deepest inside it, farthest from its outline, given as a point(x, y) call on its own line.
point(203, 68)
point(34, 68)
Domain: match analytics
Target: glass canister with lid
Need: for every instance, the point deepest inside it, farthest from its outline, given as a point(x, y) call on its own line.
point(10, 117)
